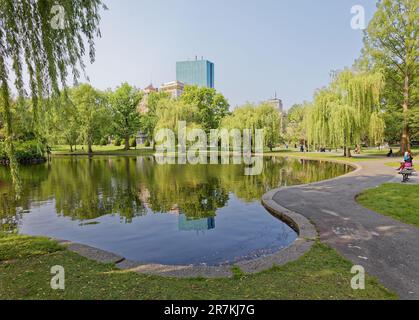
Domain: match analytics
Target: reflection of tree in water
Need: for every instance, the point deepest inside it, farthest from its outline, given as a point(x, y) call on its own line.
point(86, 189)
point(10, 215)
point(195, 191)
point(12, 208)
point(277, 172)
point(197, 201)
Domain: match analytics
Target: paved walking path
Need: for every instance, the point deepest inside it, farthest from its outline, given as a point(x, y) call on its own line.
point(388, 249)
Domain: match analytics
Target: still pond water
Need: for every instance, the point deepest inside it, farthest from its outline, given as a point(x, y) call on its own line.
point(168, 214)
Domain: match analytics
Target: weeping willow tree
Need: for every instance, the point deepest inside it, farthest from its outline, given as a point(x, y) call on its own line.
point(317, 118)
point(347, 112)
point(44, 39)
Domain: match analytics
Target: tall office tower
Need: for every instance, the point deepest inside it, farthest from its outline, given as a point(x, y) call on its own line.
point(276, 103)
point(198, 72)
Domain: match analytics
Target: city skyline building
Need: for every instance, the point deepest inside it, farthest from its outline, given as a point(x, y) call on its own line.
point(197, 72)
point(276, 103)
point(143, 105)
point(174, 88)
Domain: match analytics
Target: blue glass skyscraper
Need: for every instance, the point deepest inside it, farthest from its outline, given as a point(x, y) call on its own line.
point(198, 72)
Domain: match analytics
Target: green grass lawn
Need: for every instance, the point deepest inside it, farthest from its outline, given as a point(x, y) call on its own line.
point(25, 265)
point(370, 154)
point(367, 154)
point(398, 201)
point(328, 156)
point(393, 164)
point(100, 150)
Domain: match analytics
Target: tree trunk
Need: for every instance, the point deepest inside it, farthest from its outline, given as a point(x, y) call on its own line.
point(347, 152)
point(405, 141)
point(89, 148)
point(126, 143)
point(71, 148)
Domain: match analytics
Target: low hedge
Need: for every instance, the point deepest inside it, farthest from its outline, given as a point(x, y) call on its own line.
point(117, 142)
point(26, 152)
point(133, 142)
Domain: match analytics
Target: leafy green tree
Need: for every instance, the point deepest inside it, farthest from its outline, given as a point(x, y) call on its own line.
point(64, 124)
point(212, 106)
point(29, 41)
point(125, 116)
point(347, 112)
point(250, 116)
point(148, 120)
point(22, 120)
point(392, 44)
point(269, 119)
point(295, 128)
point(92, 113)
point(169, 112)
point(414, 123)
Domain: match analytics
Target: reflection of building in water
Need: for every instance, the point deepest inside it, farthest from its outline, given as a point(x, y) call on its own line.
point(186, 224)
point(144, 196)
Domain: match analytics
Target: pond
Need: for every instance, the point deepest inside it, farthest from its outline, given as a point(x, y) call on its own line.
point(152, 213)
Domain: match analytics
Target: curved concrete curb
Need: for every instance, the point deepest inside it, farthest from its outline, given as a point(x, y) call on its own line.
point(91, 253)
point(298, 222)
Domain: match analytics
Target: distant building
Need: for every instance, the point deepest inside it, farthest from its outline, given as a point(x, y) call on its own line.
point(198, 72)
point(174, 88)
point(142, 108)
point(149, 89)
point(277, 104)
point(143, 105)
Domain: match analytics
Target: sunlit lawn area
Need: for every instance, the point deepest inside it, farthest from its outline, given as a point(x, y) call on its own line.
point(367, 154)
point(25, 265)
point(328, 156)
point(393, 164)
point(101, 150)
point(398, 201)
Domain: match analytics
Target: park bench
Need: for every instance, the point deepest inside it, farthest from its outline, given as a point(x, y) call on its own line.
point(407, 173)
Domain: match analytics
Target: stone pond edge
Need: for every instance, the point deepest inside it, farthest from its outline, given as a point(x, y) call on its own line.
point(306, 231)
point(307, 235)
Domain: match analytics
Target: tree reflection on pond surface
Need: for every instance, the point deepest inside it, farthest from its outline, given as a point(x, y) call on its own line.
point(156, 213)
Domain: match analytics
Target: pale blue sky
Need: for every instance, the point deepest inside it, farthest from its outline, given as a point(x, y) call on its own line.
point(258, 47)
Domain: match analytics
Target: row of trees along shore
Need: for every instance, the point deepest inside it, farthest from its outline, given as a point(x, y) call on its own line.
point(85, 115)
point(376, 100)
